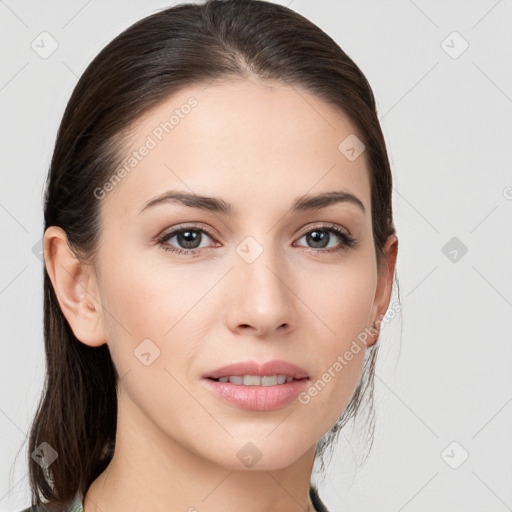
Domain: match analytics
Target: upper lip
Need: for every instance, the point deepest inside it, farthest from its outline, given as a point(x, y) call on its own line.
point(274, 367)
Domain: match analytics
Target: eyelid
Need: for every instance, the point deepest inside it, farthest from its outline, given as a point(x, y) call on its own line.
point(188, 225)
point(324, 225)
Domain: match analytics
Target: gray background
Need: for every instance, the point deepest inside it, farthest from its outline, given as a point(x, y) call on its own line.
point(443, 385)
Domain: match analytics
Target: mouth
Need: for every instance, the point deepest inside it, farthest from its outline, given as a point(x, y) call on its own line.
point(256, 387)
point(256, 380)
point(256, 397)
point(251, 373)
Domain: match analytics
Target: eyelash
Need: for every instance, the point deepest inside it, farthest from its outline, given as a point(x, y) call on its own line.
point(347, 240)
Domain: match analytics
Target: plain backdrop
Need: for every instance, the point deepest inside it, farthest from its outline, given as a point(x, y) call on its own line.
point(442, 76)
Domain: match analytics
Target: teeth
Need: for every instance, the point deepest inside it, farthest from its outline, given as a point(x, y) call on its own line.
point(253, 380)
point(256, 380)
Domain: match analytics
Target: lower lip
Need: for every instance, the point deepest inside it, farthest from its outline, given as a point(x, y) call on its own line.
point(257, 398)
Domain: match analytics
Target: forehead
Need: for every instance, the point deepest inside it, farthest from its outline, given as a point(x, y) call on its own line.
point(243, 140)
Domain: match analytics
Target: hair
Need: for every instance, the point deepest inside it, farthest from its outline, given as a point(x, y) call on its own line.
point(156, 57)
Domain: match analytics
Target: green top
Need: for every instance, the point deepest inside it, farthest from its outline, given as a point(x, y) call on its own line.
point(77, 505)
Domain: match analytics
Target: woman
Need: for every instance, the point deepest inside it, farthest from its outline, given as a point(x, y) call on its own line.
point(219, 255)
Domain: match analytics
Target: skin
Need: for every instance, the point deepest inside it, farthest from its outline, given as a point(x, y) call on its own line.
point(259, 146)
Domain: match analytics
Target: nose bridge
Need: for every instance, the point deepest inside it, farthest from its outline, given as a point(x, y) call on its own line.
point(264, 300)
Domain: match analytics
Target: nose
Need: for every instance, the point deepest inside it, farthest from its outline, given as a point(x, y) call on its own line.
point(262, 301)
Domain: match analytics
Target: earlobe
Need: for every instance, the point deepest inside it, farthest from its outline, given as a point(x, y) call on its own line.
point(75, 286)
point(384, 286)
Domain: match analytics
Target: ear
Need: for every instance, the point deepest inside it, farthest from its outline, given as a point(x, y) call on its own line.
point(384, 287)
point(75, 286)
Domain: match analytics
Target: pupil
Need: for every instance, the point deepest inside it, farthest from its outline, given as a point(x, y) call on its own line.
point(188, 239)
point(318, 238)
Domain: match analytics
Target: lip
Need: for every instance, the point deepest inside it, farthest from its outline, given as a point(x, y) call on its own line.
point(257, 398)
point(274, 367)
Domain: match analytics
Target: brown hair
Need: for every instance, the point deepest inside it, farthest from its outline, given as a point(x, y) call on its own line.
point(159, 55)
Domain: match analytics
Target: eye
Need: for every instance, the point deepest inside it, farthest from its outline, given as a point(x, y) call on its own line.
point(321, 236)
point(189, 238)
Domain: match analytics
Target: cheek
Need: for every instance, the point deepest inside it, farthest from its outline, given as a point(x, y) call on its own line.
point(138, 305)
point(157, 302)
point(148, 298)
point(150, 325)
point(341, 300)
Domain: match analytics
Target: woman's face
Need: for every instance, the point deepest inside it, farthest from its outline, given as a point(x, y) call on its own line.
point(258, 279)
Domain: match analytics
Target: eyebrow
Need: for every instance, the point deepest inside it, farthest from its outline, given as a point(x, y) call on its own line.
point(217, 205)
